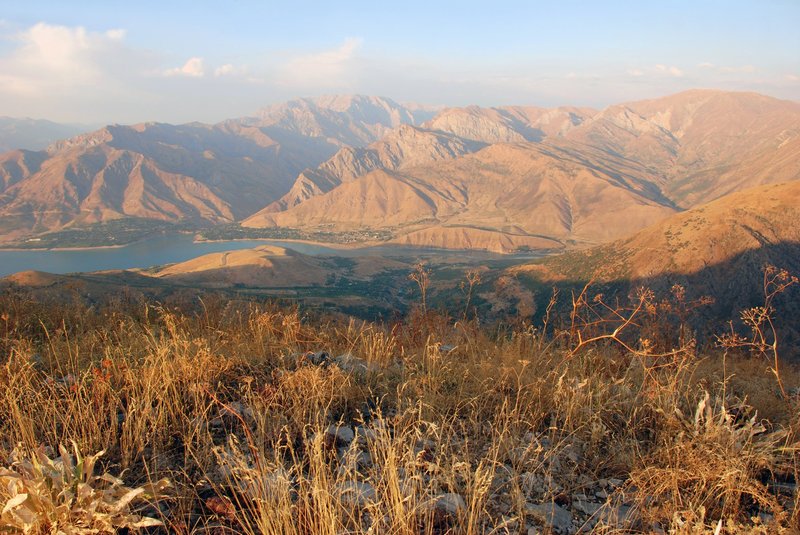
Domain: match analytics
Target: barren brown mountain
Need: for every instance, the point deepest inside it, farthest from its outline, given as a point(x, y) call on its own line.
point(153, 171)
point(525, 194)
point(493, 178)
point(700, 145)
point(405, 146)
point(563, 176)
point(756, 226)
point(195, 172)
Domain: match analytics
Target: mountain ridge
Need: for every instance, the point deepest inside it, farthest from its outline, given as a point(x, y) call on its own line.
point(677, 151)
point(600, 174)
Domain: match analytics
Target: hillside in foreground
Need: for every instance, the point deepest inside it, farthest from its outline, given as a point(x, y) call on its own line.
point(236, 416)
point(719, 249)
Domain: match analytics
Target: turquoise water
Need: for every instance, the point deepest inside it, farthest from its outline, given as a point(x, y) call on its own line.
point(154, 251)
point(172, 248)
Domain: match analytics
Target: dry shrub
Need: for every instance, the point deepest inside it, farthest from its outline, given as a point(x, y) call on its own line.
point(224, 402)
point(713, 463)
point(63, 495)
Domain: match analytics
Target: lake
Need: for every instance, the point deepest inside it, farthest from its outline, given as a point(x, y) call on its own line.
point(171, 248)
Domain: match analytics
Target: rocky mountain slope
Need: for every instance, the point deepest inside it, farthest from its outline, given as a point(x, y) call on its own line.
point(533, 195)
point(196, 172)
point(760, 221)
point(406, 146)
point(719, 249)
point(565, 176)
point(494, 178)
point(700, 145)
point(155, 171)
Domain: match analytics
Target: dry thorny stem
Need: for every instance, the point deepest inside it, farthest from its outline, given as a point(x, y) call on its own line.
point(590, 317)
point(763, 338)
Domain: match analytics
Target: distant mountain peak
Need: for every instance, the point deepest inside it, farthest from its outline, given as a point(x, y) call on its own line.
point(518, 174)
point(31, 134)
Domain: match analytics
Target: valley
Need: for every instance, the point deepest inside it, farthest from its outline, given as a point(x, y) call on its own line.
point(348, 181)
point(356, 169)
point(402, 268)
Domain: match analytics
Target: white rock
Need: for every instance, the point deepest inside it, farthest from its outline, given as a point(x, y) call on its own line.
point(450, 503)
point(354, 365)
point(357, 493)
point(551, 514)
point(615, 516)
point(341, 434)
point(586, 507)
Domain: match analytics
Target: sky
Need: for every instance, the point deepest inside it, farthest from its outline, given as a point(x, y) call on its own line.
point(98, 62)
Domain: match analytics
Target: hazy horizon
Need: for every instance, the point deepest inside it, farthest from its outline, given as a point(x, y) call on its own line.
point(95, 64)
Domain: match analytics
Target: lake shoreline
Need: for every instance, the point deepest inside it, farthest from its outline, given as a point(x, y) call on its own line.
point(61, 249)
point(174, 248)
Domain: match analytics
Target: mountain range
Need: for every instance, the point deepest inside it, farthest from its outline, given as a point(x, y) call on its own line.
point(32, 134)
point(501, 179)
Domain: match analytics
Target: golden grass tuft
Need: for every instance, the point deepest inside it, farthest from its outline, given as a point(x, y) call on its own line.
point(456, 428)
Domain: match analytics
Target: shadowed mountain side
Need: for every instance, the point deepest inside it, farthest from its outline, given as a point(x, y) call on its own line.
point(367, 286)
point(718, 249)
point(405, 146)
point(524, 189)
point(508, 124)
point(734, 285)
point(18, 164)
point(702, 144)
point(97, 287)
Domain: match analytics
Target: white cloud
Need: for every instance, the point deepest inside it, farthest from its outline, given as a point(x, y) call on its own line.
point(71, 73)
point(49, 55)
point(230, 70)
point(330, 68)
point(194, 68)
point(671, 70)
point(116, 34)
point(76, 74)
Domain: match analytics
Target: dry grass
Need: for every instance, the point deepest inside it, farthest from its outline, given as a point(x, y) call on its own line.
point(456, 430)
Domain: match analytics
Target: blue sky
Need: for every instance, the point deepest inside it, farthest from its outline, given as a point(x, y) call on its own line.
point(101, 61)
